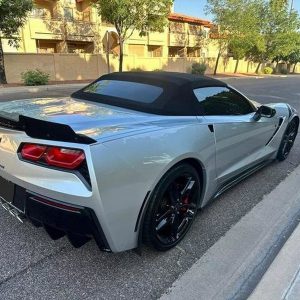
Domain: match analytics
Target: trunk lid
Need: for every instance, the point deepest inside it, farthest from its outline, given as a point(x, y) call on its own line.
point(94, 120)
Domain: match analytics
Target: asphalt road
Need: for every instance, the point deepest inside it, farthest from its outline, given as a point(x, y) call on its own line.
point(32, 266)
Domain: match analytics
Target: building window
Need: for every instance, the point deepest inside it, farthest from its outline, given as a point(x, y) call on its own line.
point(68, 13)
point(195, 29)
point(46, 46)
point(86, 16)
point(39, 12)
point(193, 52)
point(176, 51)
point(177, 27)
point(155, 51)
point(87, 47)
point(83, 16)
point(205, 33)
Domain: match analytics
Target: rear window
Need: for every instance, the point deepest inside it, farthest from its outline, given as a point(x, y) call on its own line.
point(127, 90)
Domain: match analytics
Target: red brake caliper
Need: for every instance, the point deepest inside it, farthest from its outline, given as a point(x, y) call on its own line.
point(185, 201)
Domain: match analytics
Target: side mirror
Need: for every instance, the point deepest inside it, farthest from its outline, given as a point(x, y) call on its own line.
point(265, 112)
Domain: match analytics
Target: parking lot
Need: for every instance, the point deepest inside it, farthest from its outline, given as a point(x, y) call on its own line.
point(32, 266)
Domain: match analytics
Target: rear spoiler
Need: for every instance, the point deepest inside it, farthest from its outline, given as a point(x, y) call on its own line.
point(40, 129)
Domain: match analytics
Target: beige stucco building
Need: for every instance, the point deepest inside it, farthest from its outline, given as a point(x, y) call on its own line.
point(73, 26)
point(68, 40)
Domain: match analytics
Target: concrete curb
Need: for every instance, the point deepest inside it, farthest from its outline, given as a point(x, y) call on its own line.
point(41, 88)
point(282, 280)
point(263, 76)
point(232, 267)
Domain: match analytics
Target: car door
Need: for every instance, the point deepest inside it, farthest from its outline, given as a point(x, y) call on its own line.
point(240, 140)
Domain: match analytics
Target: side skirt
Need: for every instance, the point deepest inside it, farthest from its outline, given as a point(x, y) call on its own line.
point(235, 180)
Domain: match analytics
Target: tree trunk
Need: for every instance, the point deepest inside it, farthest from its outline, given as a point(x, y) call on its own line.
point(294, 68)
point(121, 55)
point(217, 62)
point(257, 68)
point(107, 51)
point(236, 66)
point(2, 67)
point(276, 67)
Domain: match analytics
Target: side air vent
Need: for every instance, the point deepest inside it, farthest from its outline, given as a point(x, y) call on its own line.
point(276, 130)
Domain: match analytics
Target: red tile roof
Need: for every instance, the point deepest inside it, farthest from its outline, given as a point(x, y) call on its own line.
point(188, 19)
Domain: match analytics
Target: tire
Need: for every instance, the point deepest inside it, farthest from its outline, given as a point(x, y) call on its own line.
point(172, 207)
point(288, 140)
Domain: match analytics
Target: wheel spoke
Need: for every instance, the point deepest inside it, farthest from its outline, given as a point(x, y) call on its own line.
point(164, 215)
point(289, 141)
point(174, 226)
point(292, 137)
point(292, 128)
point(285, 149)
point(174, 194)
point(184, 222)
point(188, 188)
point(163, 223)
point(190, 214)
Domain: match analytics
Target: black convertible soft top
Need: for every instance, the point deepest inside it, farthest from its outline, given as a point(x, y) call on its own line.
point(176, 99)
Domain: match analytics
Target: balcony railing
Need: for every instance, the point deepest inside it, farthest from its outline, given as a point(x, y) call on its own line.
point(46, 28)
point(56, 29)
point(84, 17)
point(177, 39)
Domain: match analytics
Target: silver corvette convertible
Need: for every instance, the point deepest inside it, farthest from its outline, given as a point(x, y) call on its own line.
point(131, 157)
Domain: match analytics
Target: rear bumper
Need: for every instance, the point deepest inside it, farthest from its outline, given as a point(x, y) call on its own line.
point(78, 223)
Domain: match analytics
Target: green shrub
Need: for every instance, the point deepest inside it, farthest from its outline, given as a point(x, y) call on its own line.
point(137, 70)
point(35, 77)
point(268, 70)
point(158, 70)
point(198, 68)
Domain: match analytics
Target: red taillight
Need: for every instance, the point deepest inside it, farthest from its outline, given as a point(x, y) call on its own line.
point(33, 152)
point(53, 156)
point(64, 158)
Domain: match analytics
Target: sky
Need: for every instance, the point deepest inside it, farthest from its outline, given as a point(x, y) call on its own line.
point(195, 8)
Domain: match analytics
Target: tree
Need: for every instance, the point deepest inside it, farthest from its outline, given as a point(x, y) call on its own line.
point(12, 17)
point(279, 29)
point(294, 58)
point(238, 25)
point(238, 48)
point(257, 53)
point(130, 15)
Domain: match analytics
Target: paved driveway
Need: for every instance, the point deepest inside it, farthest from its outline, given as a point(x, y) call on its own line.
point(34, 267)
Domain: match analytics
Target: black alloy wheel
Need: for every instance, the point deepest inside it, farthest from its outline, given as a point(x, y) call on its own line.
point(288, 140)
point(172, 208)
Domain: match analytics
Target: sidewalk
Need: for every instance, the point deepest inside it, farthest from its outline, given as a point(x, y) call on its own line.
point(246, 259)
point(282, 280)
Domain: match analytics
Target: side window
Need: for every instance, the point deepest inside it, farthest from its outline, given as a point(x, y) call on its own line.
point(221, 101)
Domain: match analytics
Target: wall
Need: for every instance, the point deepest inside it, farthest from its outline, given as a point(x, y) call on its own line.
point(90, 66)
point(60, 66)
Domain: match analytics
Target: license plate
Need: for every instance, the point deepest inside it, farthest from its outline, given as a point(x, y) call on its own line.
point(7, 190)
